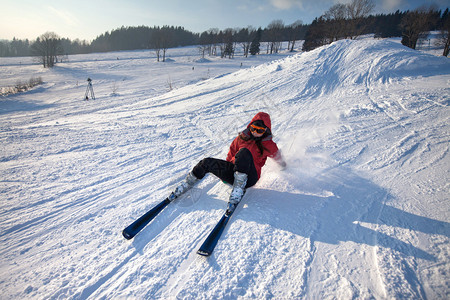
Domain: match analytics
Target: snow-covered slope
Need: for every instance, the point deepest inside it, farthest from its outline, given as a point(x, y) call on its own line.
point(362, 211)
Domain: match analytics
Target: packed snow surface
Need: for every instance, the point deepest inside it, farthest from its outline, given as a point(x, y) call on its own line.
point(361, 211)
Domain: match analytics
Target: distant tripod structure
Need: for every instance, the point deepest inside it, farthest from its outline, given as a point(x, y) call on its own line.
point(89, 90)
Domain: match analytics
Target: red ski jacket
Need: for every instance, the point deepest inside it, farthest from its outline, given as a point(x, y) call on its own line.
point(270, 148)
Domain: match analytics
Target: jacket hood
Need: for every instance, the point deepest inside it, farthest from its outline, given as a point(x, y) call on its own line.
point(263, 117)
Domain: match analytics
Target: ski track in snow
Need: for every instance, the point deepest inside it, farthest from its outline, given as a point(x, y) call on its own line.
point(360, 212)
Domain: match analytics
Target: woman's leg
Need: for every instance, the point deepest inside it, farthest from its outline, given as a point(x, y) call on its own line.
point(219, 167)
point(244, 164)
point(225, 169)
point(245, 176)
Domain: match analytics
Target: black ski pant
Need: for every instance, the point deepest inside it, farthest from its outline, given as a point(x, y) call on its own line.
point(225, 169)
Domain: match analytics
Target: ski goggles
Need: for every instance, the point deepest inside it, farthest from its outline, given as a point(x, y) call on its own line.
point(257, 129)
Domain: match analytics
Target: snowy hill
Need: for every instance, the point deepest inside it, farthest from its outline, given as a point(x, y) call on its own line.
point(362, 211)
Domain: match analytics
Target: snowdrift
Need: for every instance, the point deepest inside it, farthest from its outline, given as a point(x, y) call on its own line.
point(360, 212)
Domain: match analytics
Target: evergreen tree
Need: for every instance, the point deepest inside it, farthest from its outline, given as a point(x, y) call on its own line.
point(228, 43)
point(315, 35)
point(254, 47)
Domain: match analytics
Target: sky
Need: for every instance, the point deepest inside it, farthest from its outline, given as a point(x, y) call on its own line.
point(85, 20)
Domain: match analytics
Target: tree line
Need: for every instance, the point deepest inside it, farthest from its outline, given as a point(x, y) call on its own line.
point(50, 48)
point(341, 21)
point(348, 21)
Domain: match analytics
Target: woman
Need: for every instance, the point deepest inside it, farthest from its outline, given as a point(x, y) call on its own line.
point(242, 168)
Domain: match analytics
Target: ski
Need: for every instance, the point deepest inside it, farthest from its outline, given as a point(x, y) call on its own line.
point(211, 241)
point(134, 228)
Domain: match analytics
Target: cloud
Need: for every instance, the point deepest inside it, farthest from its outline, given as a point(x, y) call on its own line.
point(391, 4)
point(287, 4)
point(66, 17)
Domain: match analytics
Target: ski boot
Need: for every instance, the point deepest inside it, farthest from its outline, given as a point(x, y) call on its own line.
point(184, 186)
point(240, 180)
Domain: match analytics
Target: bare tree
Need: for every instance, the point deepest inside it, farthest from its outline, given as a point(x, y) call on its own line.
point(444, 39)
point(358, 10)
point(274, 35)
point(215, 40)
point(416, 24)
point(203, 44)
point(295, 30)
point(209, 40)
point(161, 40)
point(336, 19)
point(245, 36)
point(343, 21)
point(47, 47)
point(155, 43)
point(167, 40)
